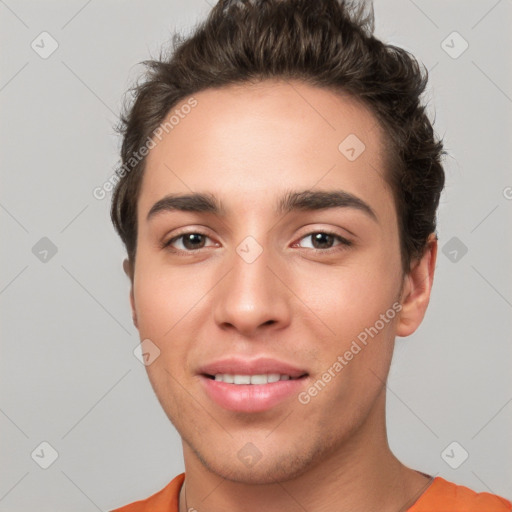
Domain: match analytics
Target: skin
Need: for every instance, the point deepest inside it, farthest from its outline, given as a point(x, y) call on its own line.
point(248, 145)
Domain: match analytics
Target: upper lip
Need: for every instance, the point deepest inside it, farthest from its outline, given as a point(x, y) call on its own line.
point(259, 366)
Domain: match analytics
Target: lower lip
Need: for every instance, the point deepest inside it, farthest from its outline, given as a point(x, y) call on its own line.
point(251, 397)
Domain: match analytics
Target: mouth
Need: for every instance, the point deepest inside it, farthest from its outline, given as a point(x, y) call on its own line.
point(255, 380)
point(253, 385)
point(252, 393)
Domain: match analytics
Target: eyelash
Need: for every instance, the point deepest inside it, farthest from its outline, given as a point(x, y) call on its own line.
point(344, 243)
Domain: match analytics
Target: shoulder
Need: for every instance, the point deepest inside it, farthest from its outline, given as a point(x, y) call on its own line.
point(165, 500)
point(445, 496)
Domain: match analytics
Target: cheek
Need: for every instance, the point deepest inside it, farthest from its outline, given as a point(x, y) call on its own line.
point(351, 297)
point(164, 305)
point(357, 308)
point(163, 308)
point(164, 297)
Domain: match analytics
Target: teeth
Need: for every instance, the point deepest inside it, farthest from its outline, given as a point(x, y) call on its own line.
point(250, 379)
point(259, 379)
point(242, 379)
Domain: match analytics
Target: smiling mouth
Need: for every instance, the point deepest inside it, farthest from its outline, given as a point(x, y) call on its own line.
point(260, 379)
point(252, 392)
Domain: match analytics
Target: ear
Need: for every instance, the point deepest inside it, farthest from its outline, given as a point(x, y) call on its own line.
point(128, 270)
point(416, 289)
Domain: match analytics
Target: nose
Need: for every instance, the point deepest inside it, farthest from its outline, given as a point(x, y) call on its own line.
point(252, 298)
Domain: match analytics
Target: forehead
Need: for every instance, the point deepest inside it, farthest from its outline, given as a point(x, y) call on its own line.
point(244, 142)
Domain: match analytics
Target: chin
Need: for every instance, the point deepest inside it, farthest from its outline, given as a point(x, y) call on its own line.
point(269, 469)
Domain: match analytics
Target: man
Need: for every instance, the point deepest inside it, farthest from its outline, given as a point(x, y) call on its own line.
point(278, 202)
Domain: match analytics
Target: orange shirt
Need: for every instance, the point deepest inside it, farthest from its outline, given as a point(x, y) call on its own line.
point(440, 496)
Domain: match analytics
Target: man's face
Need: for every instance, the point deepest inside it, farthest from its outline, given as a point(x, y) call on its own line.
point(252, 285)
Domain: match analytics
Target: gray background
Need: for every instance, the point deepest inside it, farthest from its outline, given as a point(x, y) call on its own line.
point(68, 373)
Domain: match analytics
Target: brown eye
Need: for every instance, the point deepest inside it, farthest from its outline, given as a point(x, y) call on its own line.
point(323, 240)
point(193, 241)
point(187, 242)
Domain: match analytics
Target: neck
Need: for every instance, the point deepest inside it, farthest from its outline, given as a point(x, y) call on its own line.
point(361, 474)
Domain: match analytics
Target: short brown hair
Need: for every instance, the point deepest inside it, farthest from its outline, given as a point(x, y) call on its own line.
point(325, 43)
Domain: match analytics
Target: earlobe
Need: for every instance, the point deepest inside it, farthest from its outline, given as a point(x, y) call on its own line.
point(128, 270)
point(127, 267)
point(416, 290)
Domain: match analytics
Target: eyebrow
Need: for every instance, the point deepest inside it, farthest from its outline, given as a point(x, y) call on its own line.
point(309, 200)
